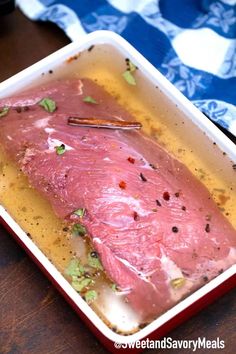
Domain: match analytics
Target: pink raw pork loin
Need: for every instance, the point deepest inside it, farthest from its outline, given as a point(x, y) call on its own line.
point(156, 229)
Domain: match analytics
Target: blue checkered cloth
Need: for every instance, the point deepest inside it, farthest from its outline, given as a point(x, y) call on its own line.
point(191, 42)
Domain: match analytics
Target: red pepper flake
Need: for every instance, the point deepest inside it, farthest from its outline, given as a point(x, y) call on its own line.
point(207, 228)
point(131, 159)
point(122, 184)
point(158, 203)
point(136, 216)
point(175, 229)
point(166, 196)
point(183, 208)
point(143, 178)
point(177, 194)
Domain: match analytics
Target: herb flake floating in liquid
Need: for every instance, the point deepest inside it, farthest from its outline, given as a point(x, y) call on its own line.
point(78, 230)
point(48, 104)
point(60, 150)
point(130, 66)
point(75, 269)
point(114, 287)
point(91, 296)
point(79, 212)
point(89, 99)
point(80, 283)
point(4, 111)
point(94, 262)
point(77, 272)
point(128, 74)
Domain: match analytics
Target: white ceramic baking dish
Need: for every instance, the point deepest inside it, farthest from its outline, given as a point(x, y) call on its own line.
point(199, 298)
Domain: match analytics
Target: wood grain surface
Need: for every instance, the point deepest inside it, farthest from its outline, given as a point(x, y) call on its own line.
point(34, 318)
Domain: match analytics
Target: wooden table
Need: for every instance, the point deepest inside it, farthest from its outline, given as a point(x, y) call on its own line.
point(34, 318)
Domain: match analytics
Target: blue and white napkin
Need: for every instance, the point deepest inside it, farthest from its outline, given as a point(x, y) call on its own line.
point(192, 42)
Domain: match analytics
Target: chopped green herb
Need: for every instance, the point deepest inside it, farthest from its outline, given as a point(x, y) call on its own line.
point(77, 272)
point(89, 99)
point(48, 104)
point(91, 296)
point(114, 287)
point(75, 269)
point(132, 68)
point(80, 212)
point(4, 111)
point(128, 76)
point(94, 262)
point(177, 283)
point(80, 283)
point(60, 150)
point(78, 230)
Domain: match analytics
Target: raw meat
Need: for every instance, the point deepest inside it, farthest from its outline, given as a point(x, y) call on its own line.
point(148, 217)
